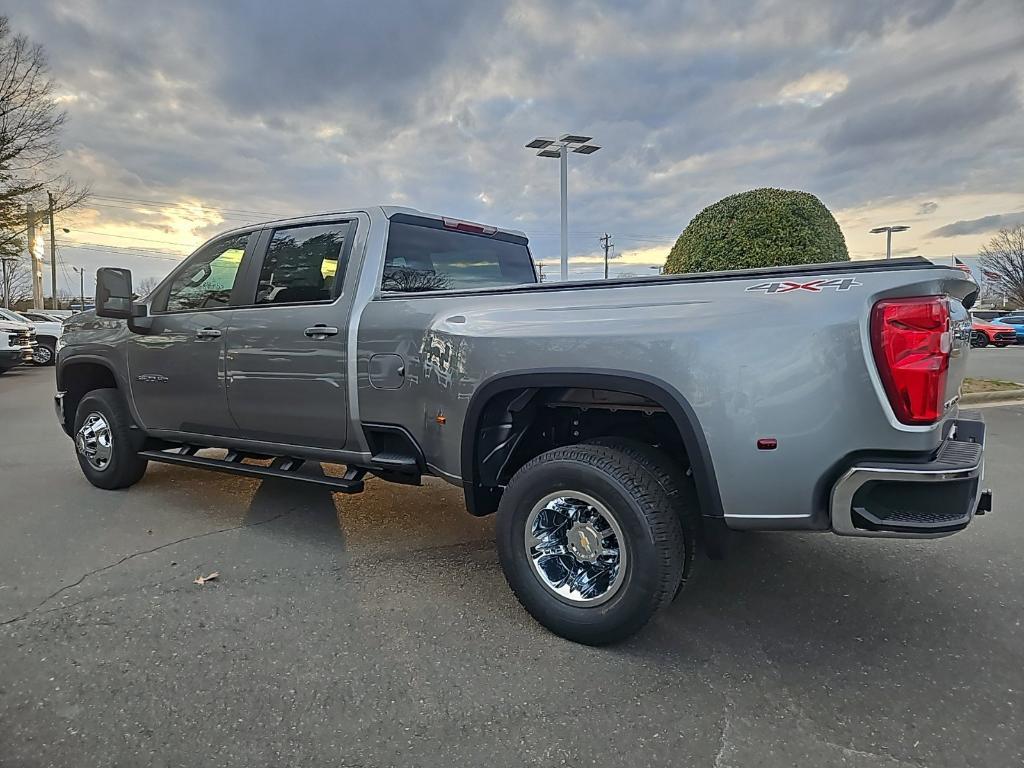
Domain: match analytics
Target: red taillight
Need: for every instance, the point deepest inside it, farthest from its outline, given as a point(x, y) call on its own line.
point(911, 341)
point(468, 226)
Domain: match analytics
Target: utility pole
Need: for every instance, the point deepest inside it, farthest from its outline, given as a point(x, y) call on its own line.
point(540, 271)
point(606, 242)
point(53, 254)
point(37, 269)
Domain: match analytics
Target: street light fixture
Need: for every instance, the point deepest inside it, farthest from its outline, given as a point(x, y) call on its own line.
point(81, 284)
point(560, 148)
point(888, 236)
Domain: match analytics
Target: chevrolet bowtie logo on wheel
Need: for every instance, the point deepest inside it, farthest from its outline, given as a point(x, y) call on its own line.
point(814, 286)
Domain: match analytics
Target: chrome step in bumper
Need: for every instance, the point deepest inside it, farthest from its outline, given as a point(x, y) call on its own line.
point(928, 499)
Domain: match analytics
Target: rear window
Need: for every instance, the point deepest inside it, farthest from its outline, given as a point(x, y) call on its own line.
point(428, 257)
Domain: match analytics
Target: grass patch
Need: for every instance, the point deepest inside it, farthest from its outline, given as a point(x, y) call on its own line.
point(988, 385)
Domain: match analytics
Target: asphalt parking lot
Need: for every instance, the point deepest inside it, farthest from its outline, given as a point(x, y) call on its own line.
point(377, 630)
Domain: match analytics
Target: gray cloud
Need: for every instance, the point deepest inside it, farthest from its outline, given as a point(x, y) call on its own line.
point(939, 113)
point(979, 226)
point(291, 107)
point(927, 207)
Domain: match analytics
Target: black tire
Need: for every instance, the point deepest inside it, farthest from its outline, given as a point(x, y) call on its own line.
point(680, 488)
point(50, 350)
point(979, 340)
point(653, 539)
point(124, 467)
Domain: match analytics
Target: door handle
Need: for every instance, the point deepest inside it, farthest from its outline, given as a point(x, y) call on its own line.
point(321, 331)
point(207, 333)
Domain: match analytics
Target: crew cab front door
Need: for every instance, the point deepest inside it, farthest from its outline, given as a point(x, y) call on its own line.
point(287, 350)
point(176, 368)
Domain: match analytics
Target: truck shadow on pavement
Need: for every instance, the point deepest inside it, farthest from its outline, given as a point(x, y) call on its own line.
point(303, 513)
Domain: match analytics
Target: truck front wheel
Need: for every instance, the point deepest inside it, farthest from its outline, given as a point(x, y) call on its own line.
point(590, 542)
point(103, 441)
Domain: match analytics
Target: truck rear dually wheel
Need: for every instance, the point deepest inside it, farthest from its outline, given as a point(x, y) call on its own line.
point(103, 441)
point(590, 542)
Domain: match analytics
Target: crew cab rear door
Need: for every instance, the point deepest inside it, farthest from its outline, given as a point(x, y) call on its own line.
point(287, 347)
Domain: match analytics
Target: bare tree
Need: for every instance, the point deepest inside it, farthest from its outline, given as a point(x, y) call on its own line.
point(15, 275)
point(146, 285)
point(409, 280)
point(30, 126)
point(1002, 261)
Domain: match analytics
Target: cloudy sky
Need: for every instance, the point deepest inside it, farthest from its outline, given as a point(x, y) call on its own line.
point(187, 118)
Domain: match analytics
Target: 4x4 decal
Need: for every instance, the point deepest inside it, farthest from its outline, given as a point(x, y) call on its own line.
point(813, 286)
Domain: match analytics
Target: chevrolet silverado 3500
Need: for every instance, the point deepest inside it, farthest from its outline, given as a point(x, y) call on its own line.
point(615, 427)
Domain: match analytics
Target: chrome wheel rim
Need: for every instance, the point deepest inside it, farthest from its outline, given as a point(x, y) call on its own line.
point(576, 548)
point(94, 441)
point(43, 354)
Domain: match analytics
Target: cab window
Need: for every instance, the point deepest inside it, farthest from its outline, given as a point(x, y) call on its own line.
point(425, 256)
point(303, 264)
point(208, 277)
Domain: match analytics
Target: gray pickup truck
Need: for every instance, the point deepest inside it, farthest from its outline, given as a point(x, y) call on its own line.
point(616, 427)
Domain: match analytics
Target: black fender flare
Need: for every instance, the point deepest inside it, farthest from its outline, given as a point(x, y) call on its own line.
point(64, 362)
point(661, 392)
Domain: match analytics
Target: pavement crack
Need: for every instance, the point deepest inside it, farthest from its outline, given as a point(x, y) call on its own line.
point(132, 556)
point(723, 738)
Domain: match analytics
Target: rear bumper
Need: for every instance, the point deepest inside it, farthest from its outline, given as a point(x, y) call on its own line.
point(918, 500)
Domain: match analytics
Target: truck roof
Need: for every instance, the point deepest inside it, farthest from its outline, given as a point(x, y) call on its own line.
point(387, 210)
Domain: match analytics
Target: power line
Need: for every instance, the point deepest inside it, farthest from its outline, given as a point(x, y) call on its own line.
point(140, 252)
point(167, 203)
point(159, 209)
point(243, 214)
point(76, 243)
point(133, 237)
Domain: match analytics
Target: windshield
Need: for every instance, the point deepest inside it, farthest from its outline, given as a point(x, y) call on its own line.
point(14, 317)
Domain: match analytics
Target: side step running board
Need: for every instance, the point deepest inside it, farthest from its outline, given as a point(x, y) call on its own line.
point(282, 467)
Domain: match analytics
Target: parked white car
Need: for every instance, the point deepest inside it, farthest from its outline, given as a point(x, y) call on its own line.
point(15, 344)
point(43, 335)
point(60, 314)
point(48, 330)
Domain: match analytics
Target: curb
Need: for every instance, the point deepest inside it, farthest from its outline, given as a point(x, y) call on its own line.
point(998, 395)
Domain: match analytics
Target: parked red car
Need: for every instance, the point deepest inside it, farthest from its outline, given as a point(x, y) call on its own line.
point(984, 333)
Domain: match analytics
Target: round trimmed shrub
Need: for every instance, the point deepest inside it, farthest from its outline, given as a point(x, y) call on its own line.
point(760, 228)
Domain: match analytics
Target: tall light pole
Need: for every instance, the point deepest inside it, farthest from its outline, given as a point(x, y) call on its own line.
point(888, 236)
point(560, 148)
point(81, 284)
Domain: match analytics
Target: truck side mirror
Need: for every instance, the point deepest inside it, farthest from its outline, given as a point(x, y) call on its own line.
point(114, 297)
